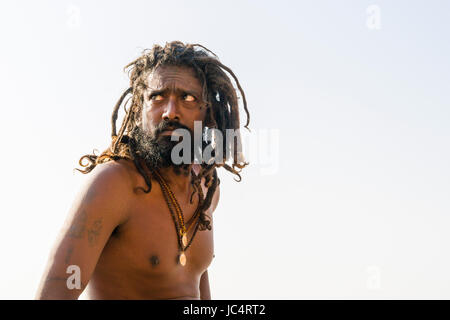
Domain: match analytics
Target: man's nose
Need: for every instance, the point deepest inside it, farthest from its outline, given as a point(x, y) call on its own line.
point(171, 110)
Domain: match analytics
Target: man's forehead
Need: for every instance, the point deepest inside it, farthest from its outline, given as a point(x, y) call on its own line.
point(173, 77)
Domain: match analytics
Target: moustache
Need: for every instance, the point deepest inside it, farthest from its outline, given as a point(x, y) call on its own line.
point(169, 125)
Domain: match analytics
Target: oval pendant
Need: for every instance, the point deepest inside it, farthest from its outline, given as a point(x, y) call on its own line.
point(182, 259)
point(184, 240)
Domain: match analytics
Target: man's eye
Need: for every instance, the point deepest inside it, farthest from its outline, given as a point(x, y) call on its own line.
point(156, 97)
point(188, 97)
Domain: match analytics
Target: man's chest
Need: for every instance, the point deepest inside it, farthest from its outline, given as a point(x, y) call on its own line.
point(149, 243)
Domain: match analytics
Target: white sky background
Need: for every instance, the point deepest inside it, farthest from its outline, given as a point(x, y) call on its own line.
point(358, 206)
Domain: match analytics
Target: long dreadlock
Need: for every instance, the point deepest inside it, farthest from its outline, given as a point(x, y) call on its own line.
point(222, 113)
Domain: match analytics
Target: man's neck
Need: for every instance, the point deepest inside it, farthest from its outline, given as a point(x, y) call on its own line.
point(179, 182)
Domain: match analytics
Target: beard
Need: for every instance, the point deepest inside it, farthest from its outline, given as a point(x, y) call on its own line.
point(156, 149)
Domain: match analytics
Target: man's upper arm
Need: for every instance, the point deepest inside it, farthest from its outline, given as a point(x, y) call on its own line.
point(98, 209)
point(205, 291)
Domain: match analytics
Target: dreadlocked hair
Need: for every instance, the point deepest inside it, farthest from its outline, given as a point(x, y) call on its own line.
point(219, 96)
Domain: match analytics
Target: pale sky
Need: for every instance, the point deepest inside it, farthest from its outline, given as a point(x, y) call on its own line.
point(347, 194)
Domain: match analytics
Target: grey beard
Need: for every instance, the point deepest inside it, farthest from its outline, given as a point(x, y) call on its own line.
point(156, 151)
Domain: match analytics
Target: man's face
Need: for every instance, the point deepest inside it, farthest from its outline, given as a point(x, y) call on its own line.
point(172, 100)
point(173, 94)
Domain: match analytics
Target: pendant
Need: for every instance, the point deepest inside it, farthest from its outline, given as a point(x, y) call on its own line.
point(184, 240)
point(182, 259)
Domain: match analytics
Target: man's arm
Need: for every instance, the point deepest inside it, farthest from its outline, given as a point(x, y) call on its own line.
point(98, 209)
point(205, 293)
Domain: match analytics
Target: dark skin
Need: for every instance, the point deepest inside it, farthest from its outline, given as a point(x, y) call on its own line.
point(123, 239)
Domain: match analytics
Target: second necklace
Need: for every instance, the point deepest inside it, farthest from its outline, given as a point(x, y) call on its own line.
point(178, 218)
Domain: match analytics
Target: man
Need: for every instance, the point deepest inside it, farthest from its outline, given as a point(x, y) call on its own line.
point(142, 226)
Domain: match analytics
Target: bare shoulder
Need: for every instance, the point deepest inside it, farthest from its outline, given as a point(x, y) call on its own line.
point(114, 168)
point(110, 182)
point(117, 174)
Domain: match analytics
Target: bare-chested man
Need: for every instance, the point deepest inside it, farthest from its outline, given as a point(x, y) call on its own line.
point(120, 236)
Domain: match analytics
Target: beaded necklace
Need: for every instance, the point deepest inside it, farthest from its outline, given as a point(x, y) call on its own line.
point(178, 218)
